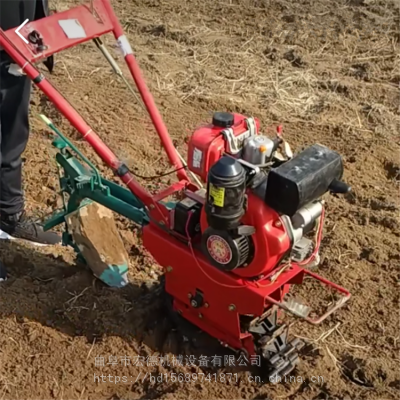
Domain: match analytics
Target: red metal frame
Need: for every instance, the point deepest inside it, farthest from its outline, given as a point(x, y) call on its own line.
point(227, 295)
point(187, 269)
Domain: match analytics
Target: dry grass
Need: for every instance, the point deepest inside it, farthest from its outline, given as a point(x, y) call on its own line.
point(345, 67)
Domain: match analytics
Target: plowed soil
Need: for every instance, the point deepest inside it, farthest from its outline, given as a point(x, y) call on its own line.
point(328, 71)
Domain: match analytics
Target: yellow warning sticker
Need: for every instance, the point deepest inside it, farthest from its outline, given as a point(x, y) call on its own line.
point(217, 195)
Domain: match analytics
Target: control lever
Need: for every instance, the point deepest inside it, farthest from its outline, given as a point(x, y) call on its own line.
point(35, 38)
point(339, 187)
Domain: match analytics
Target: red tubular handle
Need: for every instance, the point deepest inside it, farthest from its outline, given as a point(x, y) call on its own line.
point(147, 98)
point(74, 118)
point(79, 123)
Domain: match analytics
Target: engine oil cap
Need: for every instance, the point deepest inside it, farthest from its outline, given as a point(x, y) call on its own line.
point(223, 119)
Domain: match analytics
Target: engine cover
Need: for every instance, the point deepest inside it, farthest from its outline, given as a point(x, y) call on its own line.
point(226, 251)
point(271, 240)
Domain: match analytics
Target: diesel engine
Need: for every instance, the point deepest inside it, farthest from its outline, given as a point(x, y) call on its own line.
point(261, 202)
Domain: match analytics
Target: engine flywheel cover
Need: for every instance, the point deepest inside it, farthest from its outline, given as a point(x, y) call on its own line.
point(218, 248)
point(224, 251)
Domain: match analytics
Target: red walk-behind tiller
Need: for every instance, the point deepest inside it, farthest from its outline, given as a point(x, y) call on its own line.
point(231, 251)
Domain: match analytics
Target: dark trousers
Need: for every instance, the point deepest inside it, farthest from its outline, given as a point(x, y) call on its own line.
point(14, 133)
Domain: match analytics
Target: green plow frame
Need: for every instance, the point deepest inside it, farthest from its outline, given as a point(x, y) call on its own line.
point(82, 182)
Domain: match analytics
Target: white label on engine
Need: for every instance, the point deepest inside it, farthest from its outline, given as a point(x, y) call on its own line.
point(241, 138)
point(197, 156)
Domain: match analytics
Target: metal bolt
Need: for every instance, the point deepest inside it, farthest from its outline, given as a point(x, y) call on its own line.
point(278, 223)
point(190, 295)
point(200, 315)
point(152, 206)
point(162, 223)
point(193, 303)
point(232, 307)
point(169, 269)
point(206, 305)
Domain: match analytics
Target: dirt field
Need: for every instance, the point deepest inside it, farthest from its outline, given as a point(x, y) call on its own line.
point(327, 70)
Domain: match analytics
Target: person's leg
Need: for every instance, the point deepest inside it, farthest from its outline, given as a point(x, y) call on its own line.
point(14, 126)
point(14, 108)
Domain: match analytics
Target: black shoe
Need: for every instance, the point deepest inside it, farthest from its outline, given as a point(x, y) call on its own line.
point(3, 272)
point(19, 227)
